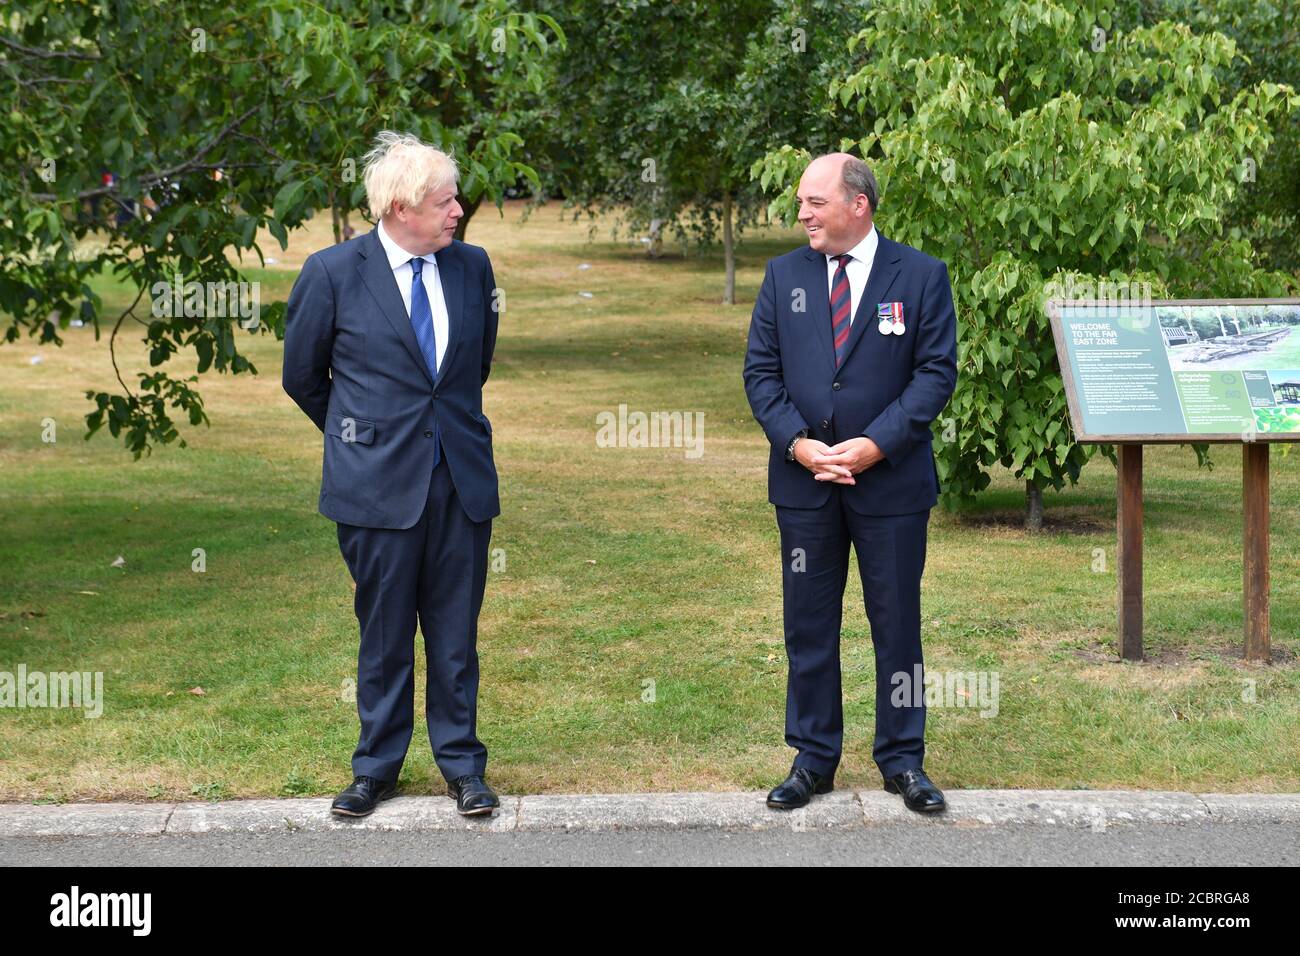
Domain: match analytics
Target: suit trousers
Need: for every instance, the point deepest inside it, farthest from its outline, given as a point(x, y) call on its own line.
point(436, 571)
point(815, 563)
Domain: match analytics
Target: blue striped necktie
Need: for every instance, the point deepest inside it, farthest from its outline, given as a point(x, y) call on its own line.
point(422, 322)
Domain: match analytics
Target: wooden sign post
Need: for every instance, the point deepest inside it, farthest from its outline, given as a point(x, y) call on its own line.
point(1156, 373)
point(1128, 550)
point(1254, 491)
point(1255, 567)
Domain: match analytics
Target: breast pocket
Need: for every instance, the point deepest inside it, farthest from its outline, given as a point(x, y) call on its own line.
point(351, 430)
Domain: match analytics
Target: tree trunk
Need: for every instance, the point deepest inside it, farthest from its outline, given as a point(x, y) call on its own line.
point(1033, 507)
point(654, 246)
point(334, 218)
point(470, 208)
point(728, 252)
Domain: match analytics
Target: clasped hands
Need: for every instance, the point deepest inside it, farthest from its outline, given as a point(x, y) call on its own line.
point(837, 463)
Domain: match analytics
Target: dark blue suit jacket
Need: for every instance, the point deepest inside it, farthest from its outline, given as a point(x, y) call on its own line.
point(352, 363)
point(889, 387)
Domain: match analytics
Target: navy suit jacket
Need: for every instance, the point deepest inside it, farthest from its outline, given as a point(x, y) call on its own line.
point(352, 363)
point(889, 387)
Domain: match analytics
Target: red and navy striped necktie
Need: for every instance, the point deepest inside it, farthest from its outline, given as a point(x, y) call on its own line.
point(841, 307)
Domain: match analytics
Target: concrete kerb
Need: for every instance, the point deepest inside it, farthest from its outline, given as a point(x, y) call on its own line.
point(1094, 809)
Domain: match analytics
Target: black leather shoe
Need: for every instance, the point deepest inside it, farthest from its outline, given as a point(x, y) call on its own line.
point(473, 796)
point(918, 792)
point(361, 798)
point(797, 789)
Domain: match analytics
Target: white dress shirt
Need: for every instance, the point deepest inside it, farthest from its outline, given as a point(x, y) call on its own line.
point(858, 268)
point(400, 262)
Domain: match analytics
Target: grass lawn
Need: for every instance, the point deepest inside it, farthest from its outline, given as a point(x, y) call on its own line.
point(623, 566)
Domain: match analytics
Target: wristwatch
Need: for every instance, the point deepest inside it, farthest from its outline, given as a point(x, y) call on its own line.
point(789, 449)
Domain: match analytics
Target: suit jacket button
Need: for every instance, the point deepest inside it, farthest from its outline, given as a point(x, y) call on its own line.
point(428, 433)
point(835, 386)
point(826, 423)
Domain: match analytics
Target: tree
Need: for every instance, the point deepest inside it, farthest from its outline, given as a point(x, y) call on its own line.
point(1267, 209)
point(174, 131)
point(1034, 146)
point(658, 110)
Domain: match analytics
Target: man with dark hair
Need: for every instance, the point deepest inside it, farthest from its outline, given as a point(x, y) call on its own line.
point(852, 354)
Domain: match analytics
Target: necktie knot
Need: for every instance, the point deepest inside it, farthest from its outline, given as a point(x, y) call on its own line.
point(843, 259)
point(417, 264)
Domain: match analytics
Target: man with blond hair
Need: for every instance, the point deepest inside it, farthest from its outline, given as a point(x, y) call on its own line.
point(388, 342)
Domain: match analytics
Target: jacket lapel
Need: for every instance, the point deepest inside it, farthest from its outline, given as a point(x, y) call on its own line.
point(379, 279)
point(451, 273)
point(819, 311)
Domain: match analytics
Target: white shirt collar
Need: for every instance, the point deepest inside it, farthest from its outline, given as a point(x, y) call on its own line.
point(397, 256)
point(865, 250)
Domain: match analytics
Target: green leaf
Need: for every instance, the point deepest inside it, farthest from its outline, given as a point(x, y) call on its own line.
point(288, 196)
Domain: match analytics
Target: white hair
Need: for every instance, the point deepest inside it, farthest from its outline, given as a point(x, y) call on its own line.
point(402, 169)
